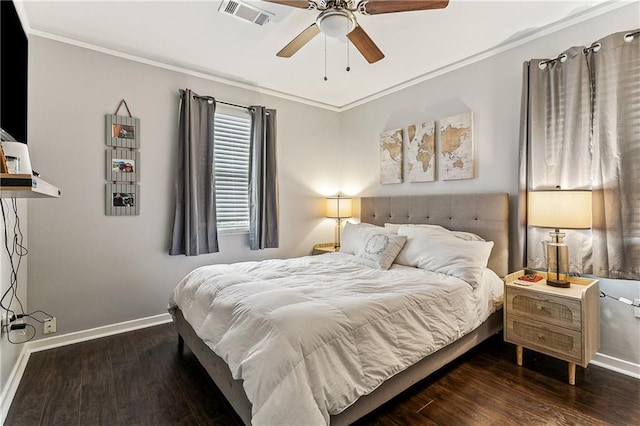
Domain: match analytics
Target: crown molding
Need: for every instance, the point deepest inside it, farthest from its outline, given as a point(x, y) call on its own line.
point(176, 68)
point(22, 15)
point(536, 34)
point(511, 44)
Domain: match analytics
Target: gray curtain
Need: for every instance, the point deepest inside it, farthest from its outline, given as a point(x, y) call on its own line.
point(263, 180)
point(555, 146)
point(616, 156)
point(580, 129)
point(194, 224)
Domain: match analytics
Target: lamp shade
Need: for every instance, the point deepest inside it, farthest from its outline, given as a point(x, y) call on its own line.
point(559, 209)
point(338, 207)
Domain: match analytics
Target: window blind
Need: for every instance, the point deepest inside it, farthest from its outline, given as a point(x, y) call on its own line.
point(231, 170)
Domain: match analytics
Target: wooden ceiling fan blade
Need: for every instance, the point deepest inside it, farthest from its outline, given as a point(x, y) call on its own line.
point(377, 7)
point(299, 41)
point(302, 4)
point(365, 45)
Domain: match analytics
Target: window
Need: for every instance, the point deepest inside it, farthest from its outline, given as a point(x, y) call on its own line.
point(231, 170)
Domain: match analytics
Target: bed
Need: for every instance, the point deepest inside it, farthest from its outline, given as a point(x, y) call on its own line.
point(342, 391)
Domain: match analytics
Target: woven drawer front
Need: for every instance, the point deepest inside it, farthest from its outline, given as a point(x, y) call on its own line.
point(559, 342)
point(556, 341)
point(549, 309)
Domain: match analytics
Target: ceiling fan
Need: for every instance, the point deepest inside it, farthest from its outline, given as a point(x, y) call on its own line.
point(337, 19)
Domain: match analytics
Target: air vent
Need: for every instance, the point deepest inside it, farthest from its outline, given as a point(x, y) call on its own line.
point(245, 12)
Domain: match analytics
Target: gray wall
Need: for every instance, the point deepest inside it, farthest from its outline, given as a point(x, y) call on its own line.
point(492, 89)
point(89, 269)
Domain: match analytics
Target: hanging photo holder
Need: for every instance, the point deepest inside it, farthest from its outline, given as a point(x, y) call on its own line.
point(122, 165)
point(122, 131)
point(122, 199)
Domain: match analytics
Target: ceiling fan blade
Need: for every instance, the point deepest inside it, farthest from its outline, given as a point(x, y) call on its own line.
point(365, 45)
point(300, 40)
point(377, 7)
point(302, 4)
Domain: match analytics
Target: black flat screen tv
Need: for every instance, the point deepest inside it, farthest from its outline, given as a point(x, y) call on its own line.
point(14, 55)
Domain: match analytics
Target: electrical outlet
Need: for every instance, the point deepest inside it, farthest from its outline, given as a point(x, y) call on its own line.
point(50, 325)
point(636, 311)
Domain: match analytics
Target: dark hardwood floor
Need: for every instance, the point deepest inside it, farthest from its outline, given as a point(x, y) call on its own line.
point(139, 378)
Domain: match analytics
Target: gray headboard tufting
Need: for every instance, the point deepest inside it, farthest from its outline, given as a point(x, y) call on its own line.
point(484, 214)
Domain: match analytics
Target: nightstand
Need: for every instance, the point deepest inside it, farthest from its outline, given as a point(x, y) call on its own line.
point(561, 322)
point(324, 248)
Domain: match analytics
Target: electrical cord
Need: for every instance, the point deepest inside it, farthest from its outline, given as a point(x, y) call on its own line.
point(27, 326)
point(13, 284)
point(620, 299)
point(603, 295)
point(10, 296)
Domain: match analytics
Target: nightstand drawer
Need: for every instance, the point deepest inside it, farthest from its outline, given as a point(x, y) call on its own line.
point(555, 341)
point(546, 308)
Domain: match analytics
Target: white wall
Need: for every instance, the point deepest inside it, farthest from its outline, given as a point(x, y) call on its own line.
point(89, 269)
point(492, 90)
point(9, 353)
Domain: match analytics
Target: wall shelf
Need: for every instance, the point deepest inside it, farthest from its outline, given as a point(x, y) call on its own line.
point(26, 186)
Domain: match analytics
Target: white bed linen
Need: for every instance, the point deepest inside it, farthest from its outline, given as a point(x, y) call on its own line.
point(310, 335)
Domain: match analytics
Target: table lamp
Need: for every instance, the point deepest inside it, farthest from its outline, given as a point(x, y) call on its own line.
point(559, 209)
point(338, 208)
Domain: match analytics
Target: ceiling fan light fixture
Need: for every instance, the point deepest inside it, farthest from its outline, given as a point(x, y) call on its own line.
point(336, 23)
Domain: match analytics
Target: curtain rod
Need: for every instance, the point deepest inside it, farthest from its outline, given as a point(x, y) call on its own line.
point(593, 48)
point(211, 98)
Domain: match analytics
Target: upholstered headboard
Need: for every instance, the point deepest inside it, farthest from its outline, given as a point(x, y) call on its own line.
point(484, 214)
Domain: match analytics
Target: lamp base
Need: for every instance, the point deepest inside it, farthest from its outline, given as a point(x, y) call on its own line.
point(558, 283)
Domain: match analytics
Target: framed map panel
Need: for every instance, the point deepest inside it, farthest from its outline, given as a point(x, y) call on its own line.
point(456, 146)
point(421, 152)
point(391, 156)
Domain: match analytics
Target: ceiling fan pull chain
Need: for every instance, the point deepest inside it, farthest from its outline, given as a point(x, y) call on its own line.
point(325, 58)
point(348, 65)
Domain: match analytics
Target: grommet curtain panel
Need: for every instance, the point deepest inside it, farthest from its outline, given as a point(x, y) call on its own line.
point(580, 129)
point(616, 156)
point(194, 225)
point(263, 180)
point(556, 148)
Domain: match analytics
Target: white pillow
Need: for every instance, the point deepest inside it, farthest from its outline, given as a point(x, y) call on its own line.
point(436, 251)
point(468, 236)
point(355, 235)
point(380, 250)
point(394, 227)
point(410, 254)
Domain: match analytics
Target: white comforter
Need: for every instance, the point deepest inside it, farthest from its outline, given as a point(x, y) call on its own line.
point(310, 335)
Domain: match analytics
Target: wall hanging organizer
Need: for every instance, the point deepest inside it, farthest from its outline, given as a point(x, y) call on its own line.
point(122, 166)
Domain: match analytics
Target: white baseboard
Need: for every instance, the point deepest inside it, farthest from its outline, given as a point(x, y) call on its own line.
point(616, 364)
point(11, 387)
point(98, 332)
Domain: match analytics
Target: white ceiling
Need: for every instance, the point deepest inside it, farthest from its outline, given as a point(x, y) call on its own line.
point(195, 36)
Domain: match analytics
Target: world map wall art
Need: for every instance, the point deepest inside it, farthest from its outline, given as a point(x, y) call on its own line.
point(421, 152)
point(391, 156)
point(455, 156)
point(456, 146)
